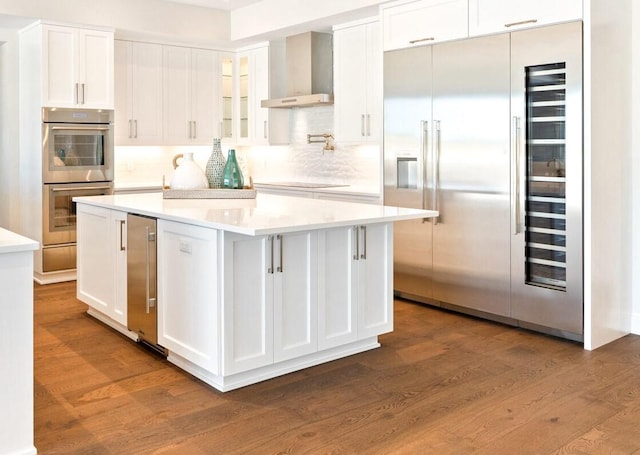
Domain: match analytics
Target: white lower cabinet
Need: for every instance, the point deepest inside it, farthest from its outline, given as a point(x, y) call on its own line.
point(102, 261)
point(375, 279)
point(337, 288)
point(269, 299)
point(188, 287)
point(355, 284)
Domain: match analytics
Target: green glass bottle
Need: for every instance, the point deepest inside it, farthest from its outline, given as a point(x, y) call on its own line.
point(232, 176)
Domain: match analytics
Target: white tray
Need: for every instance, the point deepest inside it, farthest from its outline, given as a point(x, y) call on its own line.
point(215, 193)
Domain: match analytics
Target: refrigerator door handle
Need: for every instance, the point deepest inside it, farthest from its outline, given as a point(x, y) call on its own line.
point(517, 131)
point(424, 147)
point(436, 167)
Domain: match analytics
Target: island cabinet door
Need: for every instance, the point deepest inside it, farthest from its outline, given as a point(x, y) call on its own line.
point(188, 311)
point(337, 287)
point(295, 302)
point(375, 279)
point(101, 261)
point(247, 302)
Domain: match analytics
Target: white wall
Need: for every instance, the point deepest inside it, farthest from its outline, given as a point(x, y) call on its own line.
point(9, 139)
point(635, 168)
point(270, 18)
point(608, 178)
point(179, 22)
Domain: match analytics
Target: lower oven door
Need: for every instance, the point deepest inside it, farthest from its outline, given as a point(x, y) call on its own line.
point(59, 222)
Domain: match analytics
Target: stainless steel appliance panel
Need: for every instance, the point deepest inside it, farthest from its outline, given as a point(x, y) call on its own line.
point(471, 238)
point(547, 275)
point(407, 161)
point(58, 257)
point(77, 145)
point(59, 210)
point(142, 277)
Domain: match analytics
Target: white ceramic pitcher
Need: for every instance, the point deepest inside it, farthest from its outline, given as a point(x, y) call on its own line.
point(187, 174)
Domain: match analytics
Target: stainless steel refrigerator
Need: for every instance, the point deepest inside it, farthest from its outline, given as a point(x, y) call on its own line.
point(488, 131)
point(141, 279)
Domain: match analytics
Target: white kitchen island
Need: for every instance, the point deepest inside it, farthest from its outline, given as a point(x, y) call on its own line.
point(16, 343)
point(248, 289)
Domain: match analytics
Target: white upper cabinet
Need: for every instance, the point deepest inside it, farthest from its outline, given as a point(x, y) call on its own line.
point(494, 16)
point(77, 67)
point(416, 23)
point(138, 101)
point(358, 82)
point(190, 95)
point(258, 75)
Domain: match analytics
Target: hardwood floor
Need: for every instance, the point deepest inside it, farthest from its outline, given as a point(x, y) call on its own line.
point(441, 383)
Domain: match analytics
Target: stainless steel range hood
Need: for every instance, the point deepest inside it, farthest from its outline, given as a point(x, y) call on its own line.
point(309, 71)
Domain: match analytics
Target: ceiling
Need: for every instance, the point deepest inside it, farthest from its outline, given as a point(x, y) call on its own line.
point(218, 4)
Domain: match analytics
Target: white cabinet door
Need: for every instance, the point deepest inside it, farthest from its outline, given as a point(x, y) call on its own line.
point(295, 300)
point(358, 83)
point(138, 104)
point(190, 95)
point(337, 287)
point(421, 22)
point(257, 72)
point(495, 16)
point(96, 68)
point(101, 257)
point(78, 68)
point(176, 67)
point(59, 66)
point(375, 279)
point(119, 225)
point(247, 308)
point(205, 104)
point(188, 293)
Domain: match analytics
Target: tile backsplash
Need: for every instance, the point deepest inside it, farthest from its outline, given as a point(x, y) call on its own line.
point(299, 161)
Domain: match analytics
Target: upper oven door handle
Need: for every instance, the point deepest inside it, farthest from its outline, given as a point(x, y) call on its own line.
point(81, 188)
point(88, 128)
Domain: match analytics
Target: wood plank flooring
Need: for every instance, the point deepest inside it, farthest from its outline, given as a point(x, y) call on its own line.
point(441, 383)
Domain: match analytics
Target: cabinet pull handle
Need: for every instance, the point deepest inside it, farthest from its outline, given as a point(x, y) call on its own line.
point(362, 125)
point(264, 128)
point(270, 269)
point(79, 188)
point(368, 124)
point(280, 240)
point(122, 247)
point(436, 182)
point(135, 123)
point(195, 130)
point(82, 92)
point(130, 128)
point(147, 269)
point(421, 40)
point(528, 21)
point(364, 242)
point(357, 244)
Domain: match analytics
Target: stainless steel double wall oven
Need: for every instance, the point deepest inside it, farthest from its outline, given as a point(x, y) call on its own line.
point(77, 153)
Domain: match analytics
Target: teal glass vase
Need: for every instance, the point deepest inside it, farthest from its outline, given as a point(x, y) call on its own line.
point(232, 176)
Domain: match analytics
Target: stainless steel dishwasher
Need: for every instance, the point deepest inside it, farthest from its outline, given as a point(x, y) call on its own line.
point(142, 310)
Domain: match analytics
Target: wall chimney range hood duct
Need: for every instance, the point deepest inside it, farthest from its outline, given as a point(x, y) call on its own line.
point(309, 71)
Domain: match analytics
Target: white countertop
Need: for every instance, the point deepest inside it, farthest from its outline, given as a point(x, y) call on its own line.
point(267, 214)
point(351, 189)
point(10, 242)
